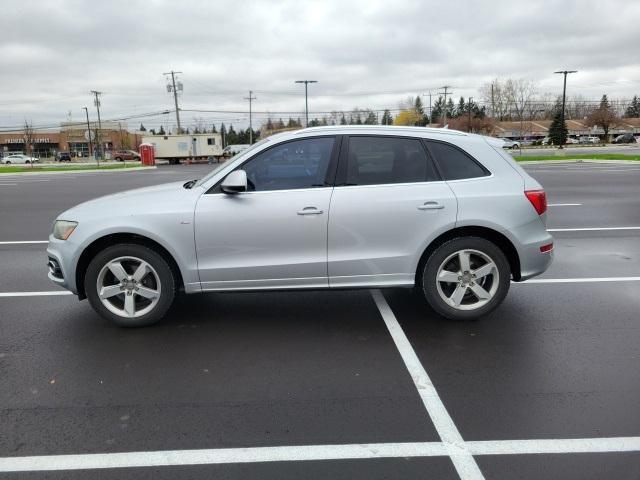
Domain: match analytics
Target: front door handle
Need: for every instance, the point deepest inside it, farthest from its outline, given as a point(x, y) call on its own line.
point(310, 211)
point(431, 206)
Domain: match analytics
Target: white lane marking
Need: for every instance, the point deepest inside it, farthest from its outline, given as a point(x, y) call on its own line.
point(568, 445)
point(590, 229)
point(462, 459)
point(221, 455)
point(581, 280)
point(564, 204)
point(35, 294)
point(8, 184)
point(24, 242)
point(301, 453)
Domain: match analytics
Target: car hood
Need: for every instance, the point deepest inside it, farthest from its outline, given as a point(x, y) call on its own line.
point(130, 202)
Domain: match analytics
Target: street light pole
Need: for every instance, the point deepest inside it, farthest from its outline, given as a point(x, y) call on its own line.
point(306, 102)
point(86, 110)
point(564, 92)
point(99, 131)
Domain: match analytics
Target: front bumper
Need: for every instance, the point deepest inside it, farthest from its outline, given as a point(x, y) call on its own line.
point(63, 253)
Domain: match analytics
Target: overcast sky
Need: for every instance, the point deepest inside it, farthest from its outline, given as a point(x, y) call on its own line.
point(363, 53)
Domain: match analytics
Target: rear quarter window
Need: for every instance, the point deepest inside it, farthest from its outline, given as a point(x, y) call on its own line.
point(454, 163)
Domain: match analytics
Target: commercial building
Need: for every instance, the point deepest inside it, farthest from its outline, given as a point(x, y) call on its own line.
point(70, 137)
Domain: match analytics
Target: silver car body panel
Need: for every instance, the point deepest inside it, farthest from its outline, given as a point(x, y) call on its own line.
point(371, 235)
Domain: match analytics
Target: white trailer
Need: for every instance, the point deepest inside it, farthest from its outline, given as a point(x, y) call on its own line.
point(185, 147)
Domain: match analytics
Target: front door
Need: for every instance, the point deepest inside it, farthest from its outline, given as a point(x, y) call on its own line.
point(275, 234)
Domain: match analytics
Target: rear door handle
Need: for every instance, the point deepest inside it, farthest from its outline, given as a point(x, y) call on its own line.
point(310, 211)
point(431, 206)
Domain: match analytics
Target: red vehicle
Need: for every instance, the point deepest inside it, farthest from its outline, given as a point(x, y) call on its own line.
point(122, 155)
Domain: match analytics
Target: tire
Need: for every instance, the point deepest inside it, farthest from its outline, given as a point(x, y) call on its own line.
point(8, 162)
point(442, 295)
point(139, 298)
point(118, 159)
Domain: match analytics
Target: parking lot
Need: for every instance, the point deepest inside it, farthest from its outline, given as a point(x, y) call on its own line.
point(344, 384)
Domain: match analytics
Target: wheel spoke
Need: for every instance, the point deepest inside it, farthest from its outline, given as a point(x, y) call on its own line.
point(141, 271)
point(465, 261)
point(458, 293)
point(484, 270)
point(147, 292)
point(129, 305)
point(447, 276)
point(110, 291)
point(118, 271)
point(480, 292)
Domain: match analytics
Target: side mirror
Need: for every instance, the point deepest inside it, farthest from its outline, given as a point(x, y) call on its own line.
point(235, 182)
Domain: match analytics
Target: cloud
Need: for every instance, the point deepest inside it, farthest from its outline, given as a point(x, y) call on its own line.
point(363, 53)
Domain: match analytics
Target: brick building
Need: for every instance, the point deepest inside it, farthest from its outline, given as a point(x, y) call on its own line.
point(70, 137)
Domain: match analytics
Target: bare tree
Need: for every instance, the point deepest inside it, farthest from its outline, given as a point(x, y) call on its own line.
point(604, 116)
point(27, 135)
point(493, 95)
point(519, 94)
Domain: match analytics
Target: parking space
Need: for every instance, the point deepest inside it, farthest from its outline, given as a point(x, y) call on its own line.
point(346, 384)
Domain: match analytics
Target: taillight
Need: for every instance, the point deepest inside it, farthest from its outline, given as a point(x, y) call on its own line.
point(538, 199)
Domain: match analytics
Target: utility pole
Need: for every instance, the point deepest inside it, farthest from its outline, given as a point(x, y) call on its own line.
point(250, 98)
point(306, 101)
point(470, 103)
point(424, 95)
point(172, 88)
point(564, 92)
point(86, 110)
point(444, 109)
point(96, 102)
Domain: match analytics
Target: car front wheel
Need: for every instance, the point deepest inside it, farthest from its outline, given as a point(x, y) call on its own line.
point(466, 278)
point(129, 284)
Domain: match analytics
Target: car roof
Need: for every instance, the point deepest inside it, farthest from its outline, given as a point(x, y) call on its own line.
point(379, 130)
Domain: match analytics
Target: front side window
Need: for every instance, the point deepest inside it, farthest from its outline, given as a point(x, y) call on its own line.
point(291, 165)
point(387, 160)
point(454, 164)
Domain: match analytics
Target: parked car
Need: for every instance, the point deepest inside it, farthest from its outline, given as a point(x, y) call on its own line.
point(18, 158)
point(510, 143)
point(545, 141)
point(231, 150)
point(571, 141)
point(446, 212)
point(625, 138)
point(122, 155)
point(588, 140)
point(63, 157)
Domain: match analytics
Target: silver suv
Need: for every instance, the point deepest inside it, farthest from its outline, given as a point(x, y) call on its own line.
point(443, 211)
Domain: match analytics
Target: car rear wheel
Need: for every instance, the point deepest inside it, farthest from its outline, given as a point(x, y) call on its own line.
point(466, 278)
point(131, 285)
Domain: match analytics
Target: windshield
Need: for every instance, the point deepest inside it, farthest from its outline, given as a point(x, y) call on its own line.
point(222, 165)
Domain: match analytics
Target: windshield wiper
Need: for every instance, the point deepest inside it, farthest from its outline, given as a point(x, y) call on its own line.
point(190, 184)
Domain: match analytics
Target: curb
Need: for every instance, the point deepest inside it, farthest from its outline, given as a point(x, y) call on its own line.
point(69, 170)
point(578, 160)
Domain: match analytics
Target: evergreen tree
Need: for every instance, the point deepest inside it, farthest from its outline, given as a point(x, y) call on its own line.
point(451, 108)
point(437, 110)
point(269, 124)
point(371, 119)
point(358, 119)
point(419, 108)
point(343, 120)
point(161, 131)
point(213, 128)
point(462, 108)
point(633, 110)
point(152, 131)
point(280, 124)
point(558, 129)
point(291, 123)
point(223, 134)
point(142, 129)
point(387, 119)
point(324, 122)
point(232, 136)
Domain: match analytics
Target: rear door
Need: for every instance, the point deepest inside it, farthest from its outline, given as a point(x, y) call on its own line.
point(387, 206)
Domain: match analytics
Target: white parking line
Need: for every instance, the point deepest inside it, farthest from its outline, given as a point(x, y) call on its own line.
point(581, 280)
point(47, 293)
point(302, 453)
point(461, 457)
point(590, 229)
point(8, 184)
point(564, 204)
point(23, 242)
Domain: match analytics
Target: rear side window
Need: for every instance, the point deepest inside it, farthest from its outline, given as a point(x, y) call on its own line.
point(455, 164)
point(387, 160)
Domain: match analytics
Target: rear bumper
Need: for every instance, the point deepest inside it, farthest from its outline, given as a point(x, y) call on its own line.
point(528, 239)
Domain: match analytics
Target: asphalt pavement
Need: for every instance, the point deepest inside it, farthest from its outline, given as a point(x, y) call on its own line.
point(345, 384)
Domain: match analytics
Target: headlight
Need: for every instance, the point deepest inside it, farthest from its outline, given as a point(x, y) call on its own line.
point(63, 228)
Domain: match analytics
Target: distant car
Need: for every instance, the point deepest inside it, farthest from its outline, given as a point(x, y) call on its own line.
point(589, 140)
point(18, 158)
point(231, 150)
point(625, 138)
point(571, 141)
point(510, 143)
point(63, 157)
point(545, 141)
point(121, 155)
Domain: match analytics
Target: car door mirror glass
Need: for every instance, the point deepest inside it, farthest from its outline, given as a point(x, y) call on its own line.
point(235, 182)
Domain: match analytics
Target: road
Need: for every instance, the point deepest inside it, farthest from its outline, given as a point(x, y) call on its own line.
point(345, 384)
point(623, 149)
